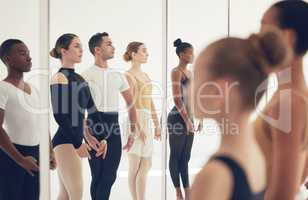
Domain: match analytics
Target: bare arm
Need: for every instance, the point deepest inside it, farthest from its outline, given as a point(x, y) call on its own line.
point(287, 159)
point(154, 115)
point(157, 135)
point(27, 162)
point(131, 110)
point(5, 143)
point(52, 160)
point(128, 97)
point(177, 95)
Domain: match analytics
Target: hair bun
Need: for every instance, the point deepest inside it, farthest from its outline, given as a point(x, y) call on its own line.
point(127, 57)
point(53, 53)
point(177, 42)
point(271, 47)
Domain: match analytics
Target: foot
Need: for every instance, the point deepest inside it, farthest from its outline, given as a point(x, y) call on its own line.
point(179, 198)
point(179, 195)
point(187, 193)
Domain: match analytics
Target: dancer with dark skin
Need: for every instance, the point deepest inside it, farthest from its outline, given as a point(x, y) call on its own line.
point(19, 155)
point(181, 139)
point(286, 150)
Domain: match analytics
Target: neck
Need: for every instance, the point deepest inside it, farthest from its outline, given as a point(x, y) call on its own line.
point(182, 64)
point(67, 64)
point(297, 76)
point(100, 62)
point(14, 76)
point(236, 135)
point(136, 66)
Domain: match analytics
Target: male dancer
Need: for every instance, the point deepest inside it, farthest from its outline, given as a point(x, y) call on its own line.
point(19, 133)
point(105, 85)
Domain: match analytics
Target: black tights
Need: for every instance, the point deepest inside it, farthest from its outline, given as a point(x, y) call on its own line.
point(180, 149)
point(104, 171)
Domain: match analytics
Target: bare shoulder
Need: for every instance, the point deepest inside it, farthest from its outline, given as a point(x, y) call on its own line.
point(59, 78)
point(176, 74)
point(130, 76)
point(175, 71)
point(209, 183)
point(288, 113)
point(290, 100)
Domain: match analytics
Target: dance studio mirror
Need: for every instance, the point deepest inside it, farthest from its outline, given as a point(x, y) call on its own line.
point(125, 22)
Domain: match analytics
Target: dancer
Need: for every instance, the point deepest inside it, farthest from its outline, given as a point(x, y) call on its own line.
point(19, 130)
point(105, 85)
point(225, 85)
point(286, 150)
point(180, 123)
point(140, 155)
point(71, 97)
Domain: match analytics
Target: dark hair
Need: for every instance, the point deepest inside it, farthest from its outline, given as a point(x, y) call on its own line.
point(63, 42)
point(250, 64)
point(293, 14)
point(6, 47)
point(131, 47)
point(181, 46)
point(96, 40)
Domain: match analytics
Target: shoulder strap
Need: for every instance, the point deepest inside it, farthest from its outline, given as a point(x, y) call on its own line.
point(241, 188)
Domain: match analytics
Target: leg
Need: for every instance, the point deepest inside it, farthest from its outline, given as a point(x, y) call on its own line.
point(104, 171)
point(63, 195)
point(133, 167)
point(13, 178)
point(69, 169)
point(177, 139)
point(32, 187)
point(145, 166)
point(174, 165)
point(184, 164)
point(174, 162)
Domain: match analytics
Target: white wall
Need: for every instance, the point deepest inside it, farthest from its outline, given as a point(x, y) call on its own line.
point(20, 20)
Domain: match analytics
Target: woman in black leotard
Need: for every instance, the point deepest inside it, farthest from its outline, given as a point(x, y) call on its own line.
point(226, 88)
point(70, 97)
point(180, 124)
